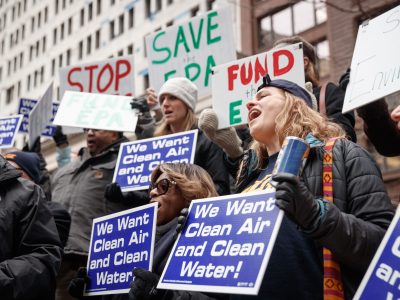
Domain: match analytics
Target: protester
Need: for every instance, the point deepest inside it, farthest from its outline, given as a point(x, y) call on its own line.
point(330, 103)
point(30, 250)
point(381, 127)
point(173, 187)
point(28, 163)
point(80, 186)
point(351, 227)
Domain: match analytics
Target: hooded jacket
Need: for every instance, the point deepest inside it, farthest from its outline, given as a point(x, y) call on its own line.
point(30, 250)
point(80, 186)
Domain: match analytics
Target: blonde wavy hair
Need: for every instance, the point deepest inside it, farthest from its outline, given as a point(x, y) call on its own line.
point(190, 122)
point(192, 181)
point(298, 119)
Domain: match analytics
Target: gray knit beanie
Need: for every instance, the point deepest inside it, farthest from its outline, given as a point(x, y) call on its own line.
point(182, 88)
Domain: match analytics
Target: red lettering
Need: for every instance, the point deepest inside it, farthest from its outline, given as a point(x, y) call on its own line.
point(119, 75)
point(243, 78)
point(74, 83)
point(232, 75)
point(99, 88)
point(90, 69)
point(276, 55)
point(259, 70)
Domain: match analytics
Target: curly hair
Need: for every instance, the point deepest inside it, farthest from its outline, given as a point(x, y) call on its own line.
point(190, 122)
point(192, 181)
point(298, 119)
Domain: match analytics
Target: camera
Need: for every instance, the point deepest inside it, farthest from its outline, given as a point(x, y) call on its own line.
point(140, 103)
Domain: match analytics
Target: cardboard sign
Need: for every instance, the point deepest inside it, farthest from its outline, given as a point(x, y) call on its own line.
point(375, 67)
point(26, 106)
point(8, 130)
point(136, 160)
point(96, 111)
point(235, 83)
point(191, 49)
point(382, 280)
point(112, 76)
point(40, 115)
point(225, 246)
point(120, 242)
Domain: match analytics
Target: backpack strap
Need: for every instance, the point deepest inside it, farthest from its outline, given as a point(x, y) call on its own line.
point(322, 104)
point(333, 287)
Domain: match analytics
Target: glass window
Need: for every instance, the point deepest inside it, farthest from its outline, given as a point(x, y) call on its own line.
point(130, 49)
point(69, 25)
point(90, 11)
point(322, 49)
point(282, 24)
point(89, 44)
point(46, 14)
point(53, 66)
point(98, 12)
point(82, 17)
point(303, 16)
point(112, 28)
point(68, 57)
point(121, 23)
point(120, 53)
point(158, 5)
point(147, 8)
point(80, 50)
point(97, 39)
point(131, 17)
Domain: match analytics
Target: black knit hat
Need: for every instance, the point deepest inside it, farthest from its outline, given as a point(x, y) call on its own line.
point(27, 161)
point(288, 86)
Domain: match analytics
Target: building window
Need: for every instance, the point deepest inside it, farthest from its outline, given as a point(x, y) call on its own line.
point(46, 14)
point(80, 50)
point(64, 3)
point(194, 11)
point(158, 5)
point(90, 11)
point(89, 44)
point(60, 60)
point(130, 49)
point(23, 32)
point(25, 2)
point(28, 83)
point(112, 25)
point(131, 18)
point(112, 2)
point(53, 66)
point(37, 48)
point(30, 52)
point(21, 59)
point(68, 57)
point(39, 19)
point(56, 7)
point(120, 53)
point(54, 36)
point(82, 22)
point(147, 8)
point(97, 39)
point(35, 78)
point(32, 24)
point(121, 24)
point(9, 94)
point(19, 88)
point(62, 31)
point(42, 74)
point(98, 12)
point(69, 25)
point(44, 44)
point(169, 2)
point(322, 49)
point(290, 21)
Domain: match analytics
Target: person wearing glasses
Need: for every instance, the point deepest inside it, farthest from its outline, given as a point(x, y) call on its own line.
point(80, 186)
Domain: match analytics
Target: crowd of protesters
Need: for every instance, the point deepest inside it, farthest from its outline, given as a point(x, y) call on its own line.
point(46, 223)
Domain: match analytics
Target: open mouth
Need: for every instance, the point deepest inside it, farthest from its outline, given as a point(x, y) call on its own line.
point(167, 112)
point(253, 114)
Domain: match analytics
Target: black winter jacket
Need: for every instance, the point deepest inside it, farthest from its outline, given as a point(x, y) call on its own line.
point(30, 250)
point(355, 224)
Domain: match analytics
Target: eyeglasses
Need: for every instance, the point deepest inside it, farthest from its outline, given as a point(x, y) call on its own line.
point(162, 186)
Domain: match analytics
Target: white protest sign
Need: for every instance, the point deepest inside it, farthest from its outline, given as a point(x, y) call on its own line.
point(113, 76)
point(40, 115)
point(225, 245)
point(235, 83)
point(8, 130)
point(191, 49)
point(96, 111)
point(375, 67)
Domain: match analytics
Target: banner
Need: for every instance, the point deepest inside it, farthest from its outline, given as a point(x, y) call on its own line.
point(26, 106)
point(113, 76)
point(225, 246)
point(96, 111)
point(40, 115)
point(8, 130)
point(120, 242)
point(136, 160)
point(191, 49)
point(235, 83)
point(382, 280)
point(375, 67)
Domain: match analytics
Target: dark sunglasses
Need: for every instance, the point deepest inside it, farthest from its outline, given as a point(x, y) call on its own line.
point(162, 186)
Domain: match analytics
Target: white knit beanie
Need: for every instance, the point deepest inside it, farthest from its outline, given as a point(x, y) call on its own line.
point(182, 88)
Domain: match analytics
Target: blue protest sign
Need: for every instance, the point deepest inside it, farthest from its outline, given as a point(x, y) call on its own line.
point(25, 107)
point(136, 160)
point(119, 243)
point(8, 130)
point(223, 239)
point(382, 280)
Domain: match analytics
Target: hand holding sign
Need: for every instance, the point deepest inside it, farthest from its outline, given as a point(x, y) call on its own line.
point(144, 285)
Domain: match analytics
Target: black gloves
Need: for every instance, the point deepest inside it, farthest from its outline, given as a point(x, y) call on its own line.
point(344, 80)
point(297, 201)
point(143, 287)
point(76, 286)
point(59, 137)
point(113, 192)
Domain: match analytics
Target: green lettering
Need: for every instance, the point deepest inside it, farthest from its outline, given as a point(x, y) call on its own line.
point(210, 64)
point(211, 27)
point(100, 116)
point(180, 38)
point(116, 119)
point(165, 49)
point(196, 43)
point(191, 66)
point(169, 74)
point(234, 113)
point(82, 116)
